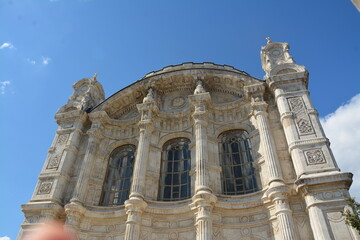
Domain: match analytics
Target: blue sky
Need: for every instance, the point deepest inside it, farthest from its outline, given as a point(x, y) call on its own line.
point(45, 46)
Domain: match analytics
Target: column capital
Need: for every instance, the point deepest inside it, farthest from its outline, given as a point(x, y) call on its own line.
point(203, 198)
point(135, 204)
point(134, 208)
point(95, 132)
point(277, 190)
point(259, 107)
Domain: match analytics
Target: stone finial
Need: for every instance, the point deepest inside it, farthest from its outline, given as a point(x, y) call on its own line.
point(268, 40)
point(149, 97)
point(199, 87)
point(94, 78)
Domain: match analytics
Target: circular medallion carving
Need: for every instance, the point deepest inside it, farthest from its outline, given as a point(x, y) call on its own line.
point(276, 53)
point(178, 102)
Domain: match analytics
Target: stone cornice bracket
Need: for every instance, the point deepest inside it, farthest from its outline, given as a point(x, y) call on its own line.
point(279, 66)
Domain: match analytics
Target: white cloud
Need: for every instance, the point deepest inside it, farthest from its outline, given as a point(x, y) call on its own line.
point(343, 129)
point(31, 61)
point(7, 45)
point(3, 85)
point(4, 238)
point(45, 60)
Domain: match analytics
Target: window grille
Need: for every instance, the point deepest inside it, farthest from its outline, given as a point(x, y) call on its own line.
point(238, 175)
point(175, 166)
point(118, 176)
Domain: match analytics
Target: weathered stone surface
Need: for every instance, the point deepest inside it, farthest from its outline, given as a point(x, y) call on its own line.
point(301, 190)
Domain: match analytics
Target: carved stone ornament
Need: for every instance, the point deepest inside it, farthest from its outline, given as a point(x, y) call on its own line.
point(54, 161)
point(88, 92)
point(149, 97)
point(199, 88)
point(178, 102)
point(296, 104)
point(62, 139)
point(315, 156)
point(302, 119)
point(45, 188)
point(305, 127)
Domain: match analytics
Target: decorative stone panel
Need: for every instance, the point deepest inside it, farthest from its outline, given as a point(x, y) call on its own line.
point(62, 139)
point(45, 187)
point(55, 159)
point(314, 156)
point(302, 119)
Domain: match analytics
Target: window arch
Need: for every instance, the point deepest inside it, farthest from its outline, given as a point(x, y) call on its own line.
point(118, 176)
point(175, 167)
point(238, 175)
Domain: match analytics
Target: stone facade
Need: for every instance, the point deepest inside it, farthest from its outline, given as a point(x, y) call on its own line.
point(300, 190)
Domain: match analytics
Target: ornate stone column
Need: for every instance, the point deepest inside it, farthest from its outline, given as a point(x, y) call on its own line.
point(136, 204)
point(277, 191)
point(81, 188)
point(203, 199)
point(50, 193)
point(309, 148)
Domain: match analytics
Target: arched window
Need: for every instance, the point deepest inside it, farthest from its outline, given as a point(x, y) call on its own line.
point(238, 175)
point(118, 176)
point(175, 167)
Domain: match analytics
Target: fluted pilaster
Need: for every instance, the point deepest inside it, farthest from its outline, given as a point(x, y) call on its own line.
point(267, 142)
point(139, 173)
point(277, 191)
point(134, 208)
point(136, 204)
point(284, 216)
point(203, 199)
point(81, 187)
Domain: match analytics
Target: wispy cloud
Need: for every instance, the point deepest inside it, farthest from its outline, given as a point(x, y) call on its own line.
point(342, 128)
point(31, 61)
point(45, 60)
point(7, 45)
point(4, 238)
point(3, 85)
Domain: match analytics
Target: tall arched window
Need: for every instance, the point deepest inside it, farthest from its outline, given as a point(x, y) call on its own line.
point(238, 175)
point(175, 167)
point(118, 176)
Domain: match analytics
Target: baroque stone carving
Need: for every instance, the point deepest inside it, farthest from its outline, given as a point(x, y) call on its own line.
point(88, 92)
point(302, 119)
point(62, 139)
point(296, 104)
point(54, 161)
point(315, 156)
point(45, 188)
point(178, 102)
point(305, 126)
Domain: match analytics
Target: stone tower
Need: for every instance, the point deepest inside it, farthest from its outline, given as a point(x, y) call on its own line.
point(194, 151)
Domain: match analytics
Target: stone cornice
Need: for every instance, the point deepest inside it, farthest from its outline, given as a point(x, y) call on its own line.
point(301, 143)
point(71, 116)
point(289, 78)
point(324, 178)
